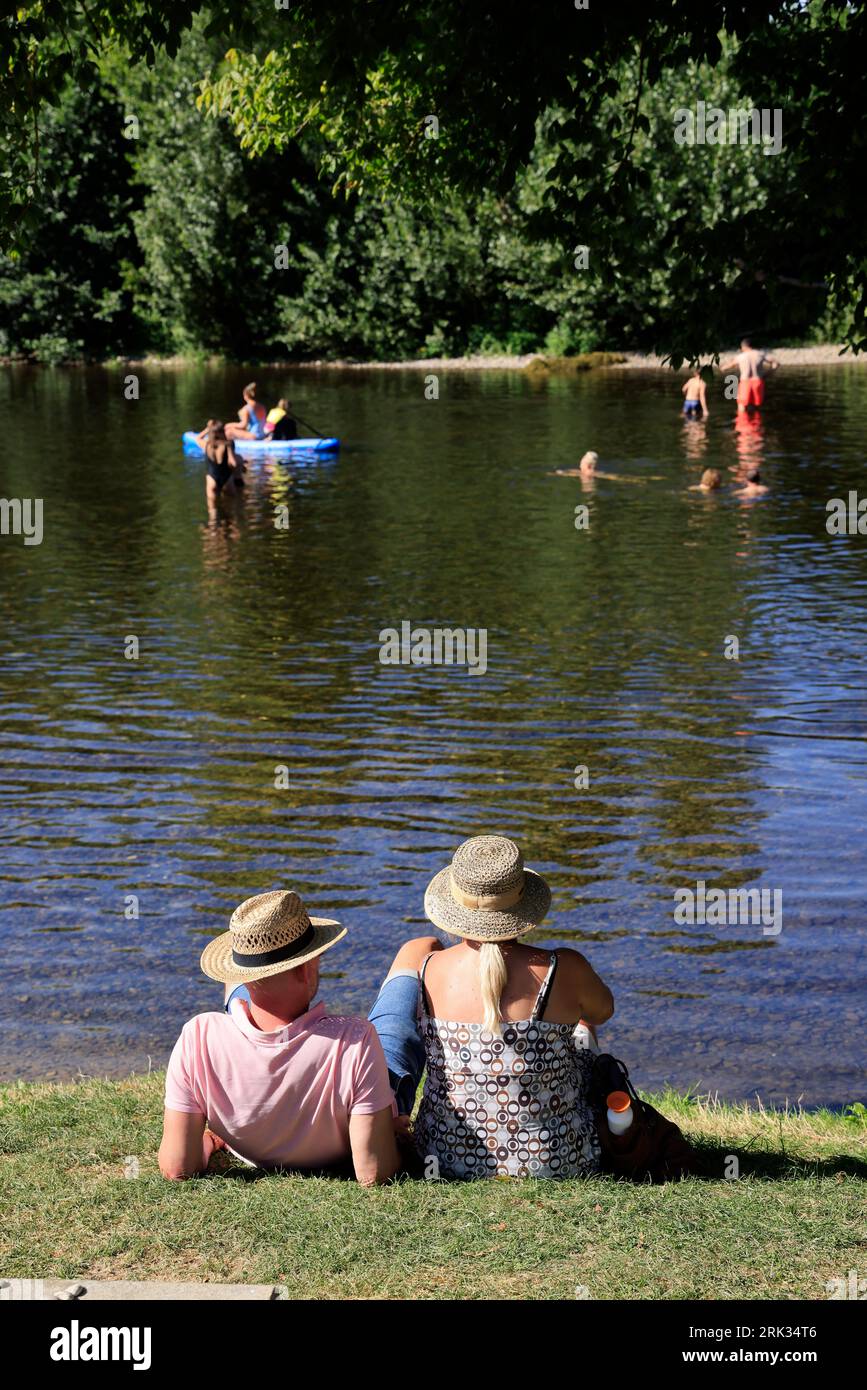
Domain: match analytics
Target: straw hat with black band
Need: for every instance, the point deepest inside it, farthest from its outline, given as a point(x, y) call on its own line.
point(486, 894)
point(267, 934)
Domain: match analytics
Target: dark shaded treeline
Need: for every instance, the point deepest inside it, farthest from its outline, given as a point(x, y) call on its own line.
point(156, 233)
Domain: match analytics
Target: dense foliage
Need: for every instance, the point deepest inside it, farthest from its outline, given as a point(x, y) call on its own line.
point(363, 227)
point(67, 293)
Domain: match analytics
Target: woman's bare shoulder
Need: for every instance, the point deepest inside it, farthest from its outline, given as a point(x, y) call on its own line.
point(570, 958)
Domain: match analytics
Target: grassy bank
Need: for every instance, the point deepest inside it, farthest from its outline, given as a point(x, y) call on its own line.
point(794, 1219)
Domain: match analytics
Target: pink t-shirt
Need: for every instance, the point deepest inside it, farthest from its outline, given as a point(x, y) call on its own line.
point(280, 1099)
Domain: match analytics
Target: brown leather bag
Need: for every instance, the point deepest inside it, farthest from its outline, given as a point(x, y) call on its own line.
point(653, 1149)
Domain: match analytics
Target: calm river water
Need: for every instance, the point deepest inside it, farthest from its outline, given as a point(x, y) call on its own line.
point(259, 647)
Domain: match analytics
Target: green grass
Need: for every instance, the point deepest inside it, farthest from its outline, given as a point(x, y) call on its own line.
point(794, 1219)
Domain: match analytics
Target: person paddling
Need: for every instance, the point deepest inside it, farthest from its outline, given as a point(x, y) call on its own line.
point(251, 417)
point(281, 424)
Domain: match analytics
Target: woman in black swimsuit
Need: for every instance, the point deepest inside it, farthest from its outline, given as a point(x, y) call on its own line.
point(224, 469)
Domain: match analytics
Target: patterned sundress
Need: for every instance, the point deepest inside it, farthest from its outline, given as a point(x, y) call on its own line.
point(510, 1106)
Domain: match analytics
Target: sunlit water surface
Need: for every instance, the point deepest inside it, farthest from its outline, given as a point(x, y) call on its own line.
point(259, 648)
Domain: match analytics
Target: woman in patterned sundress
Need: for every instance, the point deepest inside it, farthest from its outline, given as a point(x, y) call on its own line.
point(505, 1027)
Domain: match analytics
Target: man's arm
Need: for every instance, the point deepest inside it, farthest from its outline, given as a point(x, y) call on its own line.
point(182, 1150)
point(374, 1151)
point(412, 953)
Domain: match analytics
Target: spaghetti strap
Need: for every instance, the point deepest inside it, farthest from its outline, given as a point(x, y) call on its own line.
point(422, 1010)
point(544, 990)
point(543, 1128)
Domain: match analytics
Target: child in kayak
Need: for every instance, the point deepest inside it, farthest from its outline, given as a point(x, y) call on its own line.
point(251, 417)
point(280, 424)
point(276, 414)
point(695, 397)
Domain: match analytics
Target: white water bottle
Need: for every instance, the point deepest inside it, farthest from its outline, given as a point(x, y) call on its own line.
point(619, 1112)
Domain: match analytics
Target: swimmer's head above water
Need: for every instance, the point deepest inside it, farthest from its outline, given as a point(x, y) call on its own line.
point(588, 463)
point(710, 479)
point(753, 485)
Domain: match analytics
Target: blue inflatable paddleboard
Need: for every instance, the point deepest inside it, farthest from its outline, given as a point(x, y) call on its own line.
point(275, 448)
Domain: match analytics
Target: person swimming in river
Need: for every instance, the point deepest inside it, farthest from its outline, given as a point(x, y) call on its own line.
point(586, 469)
point(752, 487)
point(225, 470)
point(711, 481)
point(588, 472)
point(251, 417)
point(695, 397)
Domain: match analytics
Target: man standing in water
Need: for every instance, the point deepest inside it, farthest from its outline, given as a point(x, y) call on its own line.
point(753, 365)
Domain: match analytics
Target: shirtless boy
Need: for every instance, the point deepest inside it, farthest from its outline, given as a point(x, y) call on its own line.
point(695, 397)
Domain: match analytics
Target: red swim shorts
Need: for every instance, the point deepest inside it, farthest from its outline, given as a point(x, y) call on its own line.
point(751, 391)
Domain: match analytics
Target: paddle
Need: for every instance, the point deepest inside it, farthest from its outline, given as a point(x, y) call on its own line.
point(307, 425)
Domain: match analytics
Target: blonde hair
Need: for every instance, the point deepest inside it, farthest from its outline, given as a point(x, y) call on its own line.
point(250, 390)
point(492, 979)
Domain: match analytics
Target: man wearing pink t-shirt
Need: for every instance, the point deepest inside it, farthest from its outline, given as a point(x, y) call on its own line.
point(279, 1083)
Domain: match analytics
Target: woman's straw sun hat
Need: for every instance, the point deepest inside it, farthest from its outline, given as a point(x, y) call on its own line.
point(486, 894)
point(267, 934)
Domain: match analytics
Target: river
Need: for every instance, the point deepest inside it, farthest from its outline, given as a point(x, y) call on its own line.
point(147, 785)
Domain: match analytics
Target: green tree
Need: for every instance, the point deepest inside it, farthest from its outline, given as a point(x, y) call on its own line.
point(67, 293)
point(473, 155)
point(368, 78)
point(49, 45)
point(209, 221)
